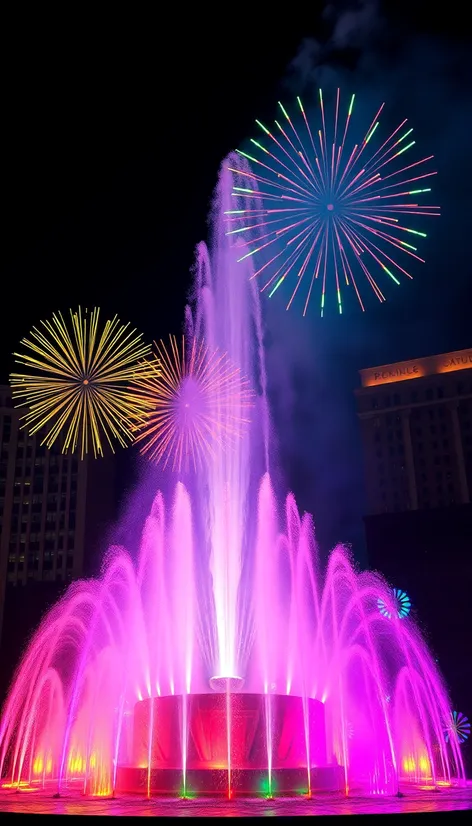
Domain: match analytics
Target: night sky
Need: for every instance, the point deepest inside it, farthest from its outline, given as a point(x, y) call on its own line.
point(114, 130)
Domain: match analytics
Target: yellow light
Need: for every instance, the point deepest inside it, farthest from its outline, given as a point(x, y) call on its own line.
point(38, 765)
point(409, 765)
point(424, 764)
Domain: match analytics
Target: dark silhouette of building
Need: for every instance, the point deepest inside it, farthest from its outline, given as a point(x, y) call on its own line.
point(416, 423)
point(55, 510)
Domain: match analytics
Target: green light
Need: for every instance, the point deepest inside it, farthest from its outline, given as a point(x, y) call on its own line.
point(283, 110)
point(243, 229)
point(371, 133)
point(267, 786)
point(245, 155)
point(276, 286)
point(415, 232)
point(351, 105)
point(321, 96)
point(410, 247)
point(264, 128)
point(248, 255)
point(234, 211)
point(416, 191)
point(322, 300)
point(339, 303)
point(259, 146)
point(405, 135)
point(242, 189)
point(405, 148)
point(300, 105)
point(390, 274)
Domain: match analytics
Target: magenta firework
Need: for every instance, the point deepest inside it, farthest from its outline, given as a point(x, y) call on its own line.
point(325, 212)
point(199, 404)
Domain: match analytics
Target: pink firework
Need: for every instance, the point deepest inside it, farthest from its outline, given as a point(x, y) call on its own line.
point(200, 404)
point(323, 213)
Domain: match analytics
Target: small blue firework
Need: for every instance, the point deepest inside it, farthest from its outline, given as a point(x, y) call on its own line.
point(459, 726)
point(399, 606)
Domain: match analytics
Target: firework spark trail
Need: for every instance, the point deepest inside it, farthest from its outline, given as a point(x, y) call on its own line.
point(78, 384)
point(317, 208)
point(199, 402)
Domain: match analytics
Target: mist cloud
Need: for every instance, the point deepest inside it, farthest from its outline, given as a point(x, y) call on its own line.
point(313, 363)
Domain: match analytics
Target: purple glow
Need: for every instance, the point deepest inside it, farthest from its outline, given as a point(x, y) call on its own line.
point(229, 624)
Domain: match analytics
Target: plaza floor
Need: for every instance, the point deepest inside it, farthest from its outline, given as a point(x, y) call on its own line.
point(415, 800)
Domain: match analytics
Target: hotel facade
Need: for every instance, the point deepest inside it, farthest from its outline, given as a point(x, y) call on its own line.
point(416, 425)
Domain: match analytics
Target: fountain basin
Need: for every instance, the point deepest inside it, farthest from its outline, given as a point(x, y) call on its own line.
point(207, 743)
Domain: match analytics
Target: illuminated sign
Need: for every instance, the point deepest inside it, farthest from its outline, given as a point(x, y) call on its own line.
point(404, 370)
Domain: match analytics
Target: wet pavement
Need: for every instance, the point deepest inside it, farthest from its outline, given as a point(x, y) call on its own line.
point(73, 803)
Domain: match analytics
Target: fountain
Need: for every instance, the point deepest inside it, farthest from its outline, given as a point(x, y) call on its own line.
point(224, 660)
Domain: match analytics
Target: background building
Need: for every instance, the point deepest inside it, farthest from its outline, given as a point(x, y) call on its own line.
point(416, 423)
point(55, 511)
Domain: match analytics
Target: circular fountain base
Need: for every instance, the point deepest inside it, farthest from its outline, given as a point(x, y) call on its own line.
point(228, 743)
point(218, 782)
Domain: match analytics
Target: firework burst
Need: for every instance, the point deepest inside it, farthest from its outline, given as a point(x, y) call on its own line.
point(77, 384)
point(199, 401)
point(398, 606)
point(458, 727)
point(326, 216)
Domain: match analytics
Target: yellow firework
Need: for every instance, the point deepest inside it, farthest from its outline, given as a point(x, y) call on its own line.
point(78, 381)
point(199, 401)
